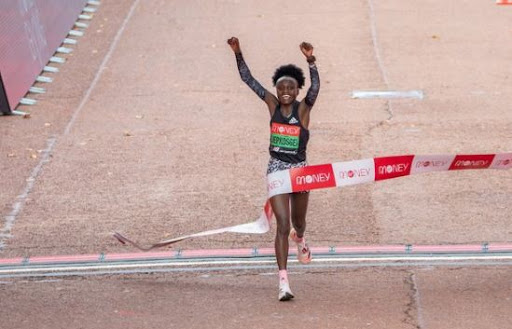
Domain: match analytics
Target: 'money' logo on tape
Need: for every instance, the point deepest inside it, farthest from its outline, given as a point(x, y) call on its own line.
point(355, 173)
point(312, 177)
point(431, 163)
point(391, 167)
point(476, 161)
point(428, 163)
point(275, 184)
point(502, 161)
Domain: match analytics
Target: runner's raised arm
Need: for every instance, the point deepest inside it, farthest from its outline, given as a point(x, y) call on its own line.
point(247, 77)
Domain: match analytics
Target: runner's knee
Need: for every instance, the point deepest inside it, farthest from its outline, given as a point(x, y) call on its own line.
point(283, 227)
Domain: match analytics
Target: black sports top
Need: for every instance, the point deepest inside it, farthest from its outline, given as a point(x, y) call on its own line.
point(288, 138)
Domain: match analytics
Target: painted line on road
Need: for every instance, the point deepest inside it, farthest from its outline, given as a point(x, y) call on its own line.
point(373, 28)
point(21, 199)
point(387, 94)
point(417, 301)
point(102, 67)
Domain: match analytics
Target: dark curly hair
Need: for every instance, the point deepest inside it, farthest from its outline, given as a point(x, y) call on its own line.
point(291, 71)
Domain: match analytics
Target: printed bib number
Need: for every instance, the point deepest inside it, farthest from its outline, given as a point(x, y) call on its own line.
point(284, 136)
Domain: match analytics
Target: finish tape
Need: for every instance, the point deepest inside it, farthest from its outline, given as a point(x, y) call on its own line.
point(340, 174)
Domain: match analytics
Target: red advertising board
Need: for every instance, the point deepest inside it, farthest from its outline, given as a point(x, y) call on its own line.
point(30, 33)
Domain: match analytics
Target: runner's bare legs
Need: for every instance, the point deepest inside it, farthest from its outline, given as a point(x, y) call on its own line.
point(299, 208)
point(281, 207)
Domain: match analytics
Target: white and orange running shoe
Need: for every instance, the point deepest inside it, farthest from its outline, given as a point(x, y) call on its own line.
point(303, 252)
point(284, 291)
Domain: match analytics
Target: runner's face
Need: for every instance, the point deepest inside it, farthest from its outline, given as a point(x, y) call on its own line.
point(287, 91)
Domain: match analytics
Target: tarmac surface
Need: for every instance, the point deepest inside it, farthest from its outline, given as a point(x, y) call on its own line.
point(148, 130)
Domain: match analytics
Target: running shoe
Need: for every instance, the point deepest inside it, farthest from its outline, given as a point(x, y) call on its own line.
point(303, 252)
point(284, 291)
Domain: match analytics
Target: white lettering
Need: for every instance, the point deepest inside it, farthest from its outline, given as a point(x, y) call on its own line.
point(288, 130)
point(471, 163)
point(395, 168)
point(315, 178)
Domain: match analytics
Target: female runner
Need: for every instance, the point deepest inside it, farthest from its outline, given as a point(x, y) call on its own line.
point(289, 121)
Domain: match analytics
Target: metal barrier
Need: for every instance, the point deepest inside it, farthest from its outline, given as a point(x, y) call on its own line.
point(257, 259)
point(30, 33)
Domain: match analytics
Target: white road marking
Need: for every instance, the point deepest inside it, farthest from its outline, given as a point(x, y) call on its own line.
point(387, 94)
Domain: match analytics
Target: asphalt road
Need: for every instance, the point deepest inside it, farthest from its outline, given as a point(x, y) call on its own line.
point(148, 129)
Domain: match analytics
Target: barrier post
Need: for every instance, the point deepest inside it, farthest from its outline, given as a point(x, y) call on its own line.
point(4, 105)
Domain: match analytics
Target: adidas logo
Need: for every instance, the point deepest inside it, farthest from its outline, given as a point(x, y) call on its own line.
point(293, 120)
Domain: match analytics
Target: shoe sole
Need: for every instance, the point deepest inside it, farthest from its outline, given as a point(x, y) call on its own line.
point(286, 297)
point(307, 260)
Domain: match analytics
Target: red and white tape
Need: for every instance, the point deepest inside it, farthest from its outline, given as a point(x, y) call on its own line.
point(341, 174)
point(347, 173)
